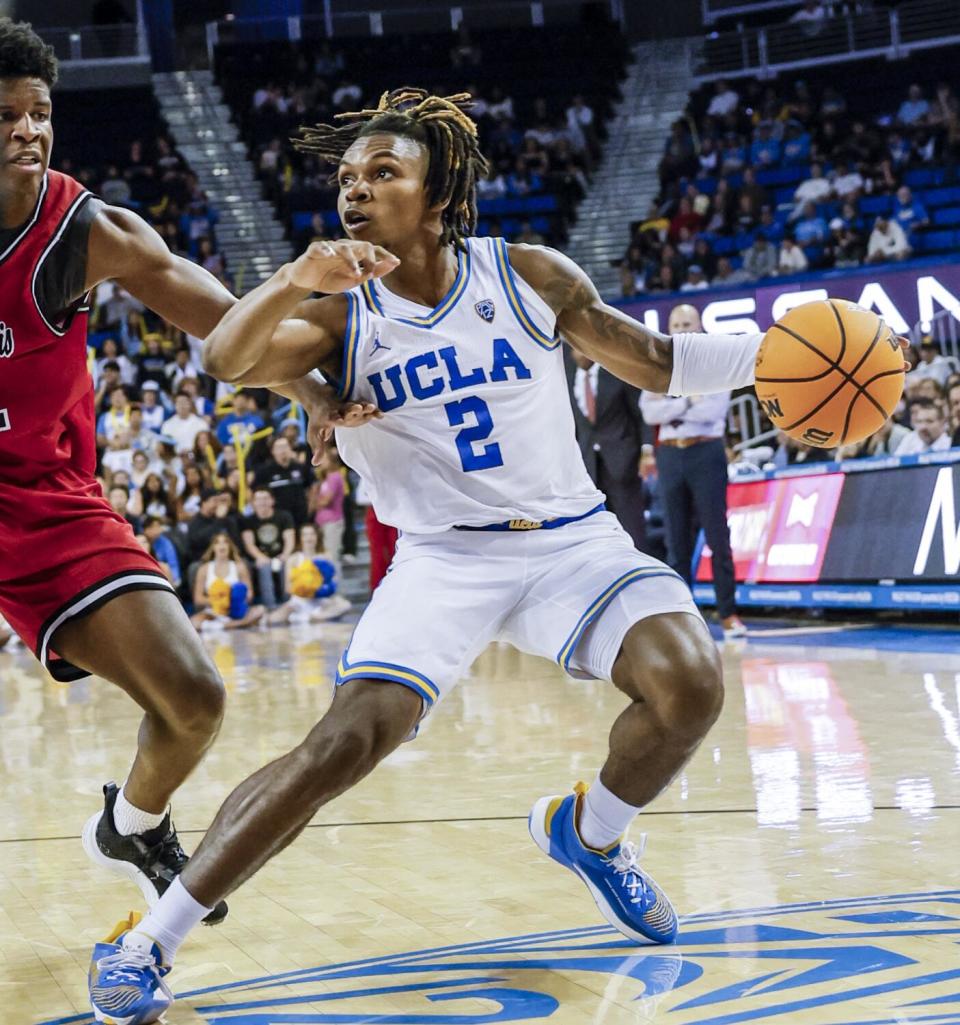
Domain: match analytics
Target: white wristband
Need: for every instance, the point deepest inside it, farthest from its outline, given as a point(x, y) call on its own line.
point(703, 364)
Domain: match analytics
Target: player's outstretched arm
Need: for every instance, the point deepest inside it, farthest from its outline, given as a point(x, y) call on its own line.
point(684, 364)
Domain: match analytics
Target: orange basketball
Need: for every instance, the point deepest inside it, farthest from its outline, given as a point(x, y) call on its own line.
point(829, 373)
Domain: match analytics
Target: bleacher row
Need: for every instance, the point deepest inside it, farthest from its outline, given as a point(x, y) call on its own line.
point(928, 185)
point(507, 62)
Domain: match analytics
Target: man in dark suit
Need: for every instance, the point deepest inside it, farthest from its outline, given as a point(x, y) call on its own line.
point(610, 431)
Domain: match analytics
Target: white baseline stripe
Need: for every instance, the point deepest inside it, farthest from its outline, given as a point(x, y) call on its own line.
point(94, 596)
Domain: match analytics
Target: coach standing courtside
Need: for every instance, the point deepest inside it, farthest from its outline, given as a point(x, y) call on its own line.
point(610, 432)
point(692, 467)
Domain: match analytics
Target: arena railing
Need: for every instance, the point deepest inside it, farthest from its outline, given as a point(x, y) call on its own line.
point(97, 43)
point(714, 10)
point(891, 33)
point(943, 330)
point(374, 18)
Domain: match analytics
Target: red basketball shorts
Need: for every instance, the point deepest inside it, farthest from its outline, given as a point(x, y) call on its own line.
point(63, 553)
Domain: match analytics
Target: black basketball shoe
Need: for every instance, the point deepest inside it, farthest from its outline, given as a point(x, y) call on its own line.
point(152, 859)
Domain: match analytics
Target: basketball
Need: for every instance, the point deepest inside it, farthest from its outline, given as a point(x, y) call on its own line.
point(829, 373)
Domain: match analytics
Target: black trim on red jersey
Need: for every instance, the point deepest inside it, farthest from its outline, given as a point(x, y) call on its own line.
point(35, 216)
point(68, 216)
point(65, 671)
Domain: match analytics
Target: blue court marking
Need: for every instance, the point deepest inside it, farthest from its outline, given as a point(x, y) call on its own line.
point(784, 961)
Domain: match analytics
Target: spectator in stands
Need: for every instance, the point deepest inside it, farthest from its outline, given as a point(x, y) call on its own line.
point(119, 497)
point(522, 181)
point(887, 241)
point(898, 150)
point(184, 426)
point(110, 353)
point(931, 364)
point(914, 109)
point(664, 279)
point(815, 189)
point(153, 413)
point(685, 217)
point(152, 363)
point(944, 116)
point(726, 276)
point(909, 212)
point(709, 158)
point(695, 281)
point(162, 548)
point(845, 246)
point(765, 148)
point(847, 182)
point(221, 561)
point(109, 381)
point(286, 478)
point(493, 186)
point(796, 145)
point(580, 119)
point(760, 260)
point(679, 158)
point(929, 429)
point(188, 501)
point(154, 497)
point(832, 104)
point(953, 403)
point(326, 499)
point(244, 418)
point(268, 539)
point(810, 229)
point(733, 154)
point(347, 95)
point(116, 418)
point(769, 225)
point(703, 255)
point(501, 105)
point(724, 100)
point(214, 516)
point(792, 259)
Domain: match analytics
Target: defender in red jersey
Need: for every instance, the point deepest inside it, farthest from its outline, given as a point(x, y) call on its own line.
point(74, 583)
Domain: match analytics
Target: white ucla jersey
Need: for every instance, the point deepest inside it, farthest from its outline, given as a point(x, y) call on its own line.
point(477, 426)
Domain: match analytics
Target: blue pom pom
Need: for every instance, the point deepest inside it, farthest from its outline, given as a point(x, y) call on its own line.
point(329, 572)
point(239, 606)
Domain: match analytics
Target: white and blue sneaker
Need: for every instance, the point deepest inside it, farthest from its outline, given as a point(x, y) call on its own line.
point(126, 986)
point(627, 896)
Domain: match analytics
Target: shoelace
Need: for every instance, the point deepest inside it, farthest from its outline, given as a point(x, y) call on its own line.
point(627, 865)
point(167, 857)
point(125, 965)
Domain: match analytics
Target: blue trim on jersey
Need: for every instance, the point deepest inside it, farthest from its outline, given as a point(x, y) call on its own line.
point(599, 604)
point(521, 524)
point(372, 299)
point(509, 283)
point(368, 669)
point(446, 304)
point(351, 339)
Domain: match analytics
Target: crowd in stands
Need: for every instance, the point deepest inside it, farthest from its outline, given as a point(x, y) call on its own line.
point(541, 149)
point(217, 485)
point(762, 181)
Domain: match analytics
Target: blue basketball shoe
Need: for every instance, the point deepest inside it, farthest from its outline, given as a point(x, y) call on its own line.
point(126, 986)
point(627, 896)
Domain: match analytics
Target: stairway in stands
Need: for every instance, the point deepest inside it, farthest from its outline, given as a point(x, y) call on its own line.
point(248, 233)
point(655, 92)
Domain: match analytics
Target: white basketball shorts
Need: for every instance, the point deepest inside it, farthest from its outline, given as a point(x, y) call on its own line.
point(568, 594)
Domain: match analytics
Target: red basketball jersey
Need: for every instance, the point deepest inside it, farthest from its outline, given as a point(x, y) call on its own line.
point(47, 420)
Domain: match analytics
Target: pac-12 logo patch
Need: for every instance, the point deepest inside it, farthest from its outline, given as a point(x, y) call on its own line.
point(884, 960)
point(486, 309)
point(6, 340)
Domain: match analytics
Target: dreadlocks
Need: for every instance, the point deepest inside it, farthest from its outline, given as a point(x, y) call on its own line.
point(23, 54)
point(440, 124)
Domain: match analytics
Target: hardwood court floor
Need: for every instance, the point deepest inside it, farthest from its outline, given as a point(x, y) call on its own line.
point(811, 847)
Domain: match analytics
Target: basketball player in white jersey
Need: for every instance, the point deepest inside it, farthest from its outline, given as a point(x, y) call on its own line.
point(504, 536)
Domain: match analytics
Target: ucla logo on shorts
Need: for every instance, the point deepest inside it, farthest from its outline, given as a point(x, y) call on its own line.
point(882, 960)
point(486, 309)
point(6, 341)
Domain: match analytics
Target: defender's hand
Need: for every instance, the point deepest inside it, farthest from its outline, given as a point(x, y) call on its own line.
point(326, 416)
point(339, 266)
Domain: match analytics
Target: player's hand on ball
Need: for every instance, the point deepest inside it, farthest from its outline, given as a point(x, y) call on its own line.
point(339, 266)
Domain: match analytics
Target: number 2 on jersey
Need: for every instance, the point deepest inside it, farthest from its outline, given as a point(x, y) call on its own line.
point(470, 458)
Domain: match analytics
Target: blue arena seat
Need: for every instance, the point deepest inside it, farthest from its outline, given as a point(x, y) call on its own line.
point(946, 215)
point(943, 196)
point(876, 205)
point(936, 241)
point(918, 177)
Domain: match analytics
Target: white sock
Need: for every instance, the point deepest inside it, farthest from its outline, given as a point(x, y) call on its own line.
point(128, 818)
point(603, 817)
point(168, 924)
